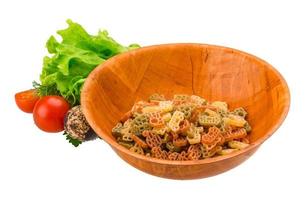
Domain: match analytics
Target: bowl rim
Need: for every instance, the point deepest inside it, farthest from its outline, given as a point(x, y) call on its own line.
point(255, 144)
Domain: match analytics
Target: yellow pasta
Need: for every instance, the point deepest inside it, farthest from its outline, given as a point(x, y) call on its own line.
point(200, 129)
point(226, 151)
point(137, 149)
point(198, 100)
point(161, 130)
point(127, 123)
point(151, 109)
point(166, 106)
point(184, 128)
point(126, 136)
point(162, 107)
point(211, 113)
point(220, 105)
point(237, 145)
point(209, 120)
point(234, 120)
point(125, 131)
point(195, 139)
point(193, 134)
point(166, 137)
point(167, 117)
point(174, 123)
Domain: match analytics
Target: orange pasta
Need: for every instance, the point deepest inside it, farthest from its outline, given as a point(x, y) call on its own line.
point(183, 128)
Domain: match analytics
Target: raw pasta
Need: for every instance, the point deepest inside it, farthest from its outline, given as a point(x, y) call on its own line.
point(187, 127)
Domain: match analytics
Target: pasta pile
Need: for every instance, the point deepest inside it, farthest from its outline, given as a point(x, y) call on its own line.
point(184, 128)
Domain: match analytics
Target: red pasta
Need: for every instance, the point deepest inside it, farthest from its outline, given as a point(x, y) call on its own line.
point(153, 140)
point(155, 119)
point(173, 156)
point(157, 152)
point(139, 141)
point(184, 128)
point(180, 141)
point(194, 152)
point(235, 134)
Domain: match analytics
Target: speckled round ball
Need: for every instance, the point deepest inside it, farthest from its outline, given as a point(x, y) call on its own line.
point(76, 125)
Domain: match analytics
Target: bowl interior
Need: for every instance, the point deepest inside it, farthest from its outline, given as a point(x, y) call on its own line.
point(212, 72)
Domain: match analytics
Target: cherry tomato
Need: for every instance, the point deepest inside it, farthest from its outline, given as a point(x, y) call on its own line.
point(26, 100)
point(49, 113)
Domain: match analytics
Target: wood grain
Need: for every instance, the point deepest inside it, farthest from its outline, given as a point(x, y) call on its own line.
point(213, 72)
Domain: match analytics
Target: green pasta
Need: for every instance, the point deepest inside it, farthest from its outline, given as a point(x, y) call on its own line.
point(240, 111)
point(116, 131)
point(186, 109)
point(127, 145)
point(156, 97)
point(140, 124)
point(185, 128)
point(172, 148)
point(181, 97)
point(247, 127)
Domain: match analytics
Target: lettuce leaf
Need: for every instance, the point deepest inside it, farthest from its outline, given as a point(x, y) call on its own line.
point(72, 59)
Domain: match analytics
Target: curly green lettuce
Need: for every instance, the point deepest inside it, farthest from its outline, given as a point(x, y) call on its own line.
point(72, 59)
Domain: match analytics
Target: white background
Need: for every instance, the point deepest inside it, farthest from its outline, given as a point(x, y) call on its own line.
point(38, 165)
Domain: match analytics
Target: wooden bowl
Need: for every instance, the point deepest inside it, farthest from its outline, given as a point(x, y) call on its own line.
point(213, 72)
